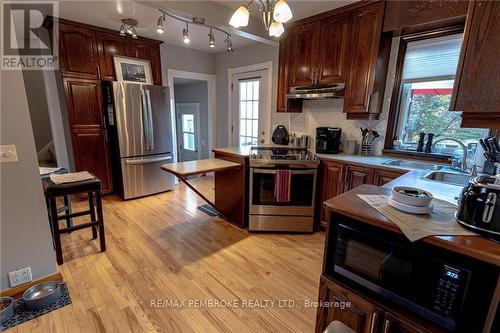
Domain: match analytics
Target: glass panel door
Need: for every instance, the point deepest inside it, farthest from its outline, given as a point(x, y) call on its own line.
point(188, 131)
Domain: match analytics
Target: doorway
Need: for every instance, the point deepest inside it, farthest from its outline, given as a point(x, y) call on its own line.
point(188, 131)
point(250, 105)
point(192, 96)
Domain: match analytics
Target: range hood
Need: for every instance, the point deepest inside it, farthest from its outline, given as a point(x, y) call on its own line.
point(323, 91)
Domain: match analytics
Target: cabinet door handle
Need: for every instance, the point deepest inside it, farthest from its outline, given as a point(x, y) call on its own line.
point(387, 324)
point(372, 325)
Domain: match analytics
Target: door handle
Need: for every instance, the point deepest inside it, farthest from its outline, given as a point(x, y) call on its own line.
point(149, 160)
point(150, 124)
point(145, 121)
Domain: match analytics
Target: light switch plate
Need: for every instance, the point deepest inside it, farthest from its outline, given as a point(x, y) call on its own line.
point(8, 153)
point(20, 276)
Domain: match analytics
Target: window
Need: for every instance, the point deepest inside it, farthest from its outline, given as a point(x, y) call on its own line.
point(249, 112)
point(427, 79)
point(188, 132)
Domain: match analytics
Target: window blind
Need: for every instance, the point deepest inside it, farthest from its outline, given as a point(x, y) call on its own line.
point(435, 57)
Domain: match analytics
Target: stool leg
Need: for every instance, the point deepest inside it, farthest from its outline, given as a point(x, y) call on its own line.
point(47, 203)
point(100, 218)
point(92, 213)
point(67, 204)
point(55, 229)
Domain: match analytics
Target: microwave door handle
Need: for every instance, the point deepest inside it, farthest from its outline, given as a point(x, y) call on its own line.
point(145, 121)
point(150, 116)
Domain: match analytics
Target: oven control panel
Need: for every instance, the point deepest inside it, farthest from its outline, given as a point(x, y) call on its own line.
point(449, 290)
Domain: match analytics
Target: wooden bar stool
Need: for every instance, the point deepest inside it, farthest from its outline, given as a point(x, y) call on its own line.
point(93, 189)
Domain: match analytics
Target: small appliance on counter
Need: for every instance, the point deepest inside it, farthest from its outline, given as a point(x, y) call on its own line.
point(479, 206)
point(280, 135)
point(328, 140)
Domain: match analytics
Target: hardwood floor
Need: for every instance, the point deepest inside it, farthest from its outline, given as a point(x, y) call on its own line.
point(163, 248)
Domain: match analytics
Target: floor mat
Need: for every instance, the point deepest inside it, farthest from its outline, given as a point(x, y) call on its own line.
point(22, 315)
point(209, 210)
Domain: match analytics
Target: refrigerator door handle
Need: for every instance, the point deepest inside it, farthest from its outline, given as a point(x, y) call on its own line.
point(148, 160)
point(145, 121)
point(150, 116)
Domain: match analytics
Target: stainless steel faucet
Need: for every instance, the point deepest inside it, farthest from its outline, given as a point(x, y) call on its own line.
point(462, 165)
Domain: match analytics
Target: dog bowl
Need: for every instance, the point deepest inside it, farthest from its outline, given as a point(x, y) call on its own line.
point(7, 306)
point(42, 295)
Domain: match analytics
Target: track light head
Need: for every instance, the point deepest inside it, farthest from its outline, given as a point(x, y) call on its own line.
point(229, 44)
point(160, 24)
point(185, 34)
point(211, 39)
point(122, 30)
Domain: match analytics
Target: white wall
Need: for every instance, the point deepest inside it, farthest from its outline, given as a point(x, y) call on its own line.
point(196, 92)
point(185, 59)
point(24, 227)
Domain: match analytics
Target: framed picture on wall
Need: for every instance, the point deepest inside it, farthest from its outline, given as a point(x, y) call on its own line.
point(133, 70)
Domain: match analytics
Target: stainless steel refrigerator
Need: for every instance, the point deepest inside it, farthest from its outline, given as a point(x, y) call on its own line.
point(143, 122)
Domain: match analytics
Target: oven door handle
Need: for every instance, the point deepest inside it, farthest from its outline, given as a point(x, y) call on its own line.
point(294, 172)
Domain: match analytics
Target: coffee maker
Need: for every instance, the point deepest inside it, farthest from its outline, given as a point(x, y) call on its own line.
point(328, 140)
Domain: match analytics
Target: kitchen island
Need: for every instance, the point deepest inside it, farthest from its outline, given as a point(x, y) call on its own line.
point(405, 304)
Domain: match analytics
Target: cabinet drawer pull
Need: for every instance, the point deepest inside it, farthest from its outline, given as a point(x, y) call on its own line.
point(372, 325)
point(387, 324)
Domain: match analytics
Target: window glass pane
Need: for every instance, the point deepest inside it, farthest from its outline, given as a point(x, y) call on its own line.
point(243, 110)
point(249, 90)
point(255, 114)
point(255, 128)
point(188, 143)
point(243, 91)
point(188, 123)
point(243, 127)
point(434, 57)
point(256, 90)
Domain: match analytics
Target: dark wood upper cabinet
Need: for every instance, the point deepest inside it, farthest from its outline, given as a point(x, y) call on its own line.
point(476, 91)
point(90, 149)
point(149, 51)
point(111, 44)
point(78, 51)
point(364, 46)
point(356, 176)
point(332, 59)
point(84, 103)
point(304, 49)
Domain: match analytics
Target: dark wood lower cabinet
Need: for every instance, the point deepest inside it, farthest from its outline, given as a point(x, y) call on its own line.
point(362, 315)
point(382, 177)
point(356, 176)
point(331, 185)
point(90, 149)
point(343, 305)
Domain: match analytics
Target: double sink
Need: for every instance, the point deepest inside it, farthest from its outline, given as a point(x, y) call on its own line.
point(437, 173)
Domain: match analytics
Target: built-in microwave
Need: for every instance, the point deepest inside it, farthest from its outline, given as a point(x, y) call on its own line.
point(449, 290)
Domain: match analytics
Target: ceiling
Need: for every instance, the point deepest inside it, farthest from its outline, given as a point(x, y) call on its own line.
point(108, 14)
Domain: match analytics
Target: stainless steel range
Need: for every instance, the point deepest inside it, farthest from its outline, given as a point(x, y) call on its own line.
point(282, 189)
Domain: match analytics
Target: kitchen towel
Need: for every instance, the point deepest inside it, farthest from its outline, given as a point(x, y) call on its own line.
point(441, 222)
point(71, 177)
point(282, 185)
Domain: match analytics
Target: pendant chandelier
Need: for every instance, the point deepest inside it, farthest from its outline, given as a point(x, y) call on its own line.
point(274, 14)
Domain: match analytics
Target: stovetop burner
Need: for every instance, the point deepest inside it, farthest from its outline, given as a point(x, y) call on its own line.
point(281, 154)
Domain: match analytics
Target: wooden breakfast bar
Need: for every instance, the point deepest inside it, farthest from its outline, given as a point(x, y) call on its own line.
point(221, 168)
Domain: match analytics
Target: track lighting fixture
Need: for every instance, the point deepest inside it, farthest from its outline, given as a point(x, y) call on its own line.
point(159, 25)
point(211, 39)
point(185, 34)
point(129, 27)
point(200, 21)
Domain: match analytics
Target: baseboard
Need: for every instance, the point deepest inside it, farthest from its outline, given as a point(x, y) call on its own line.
point(18, 291)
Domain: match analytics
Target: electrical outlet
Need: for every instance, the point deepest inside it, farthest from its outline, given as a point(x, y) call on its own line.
point(20, 276)
point(8, 153)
